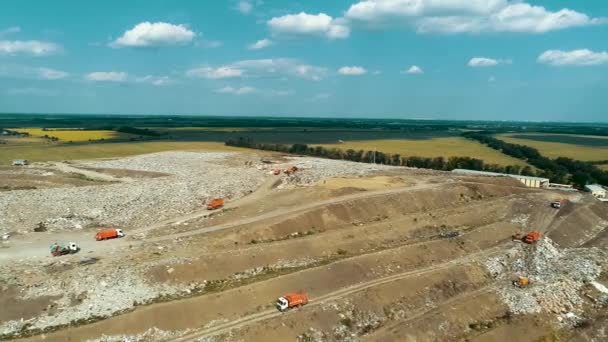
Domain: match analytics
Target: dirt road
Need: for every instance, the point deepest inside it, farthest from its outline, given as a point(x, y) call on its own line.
point(37, 247)
point(271, 313)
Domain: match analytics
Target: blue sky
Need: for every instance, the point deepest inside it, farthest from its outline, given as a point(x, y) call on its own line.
point(432, 59)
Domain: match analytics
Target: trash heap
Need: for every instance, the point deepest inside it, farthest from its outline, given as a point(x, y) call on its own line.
point(555, 277)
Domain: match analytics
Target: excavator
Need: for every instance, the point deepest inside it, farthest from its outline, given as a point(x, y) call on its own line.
point(530, 238)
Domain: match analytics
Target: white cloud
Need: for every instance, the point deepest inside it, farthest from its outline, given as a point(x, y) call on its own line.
point(277, 67)
point(28, 47)
point(148, 34)
point(25, 72)
point(414, 69)
point(352, 70)
point(477, 62)
point(237, 91)
point(309, 24)
point(107, 76)
point(215, 73)
point(574, 57)
point(155, 80)
point(244, 7)
point(10, 30)
point(468, 16)
point(211, 44)
point(51, 74)
point(261, 44)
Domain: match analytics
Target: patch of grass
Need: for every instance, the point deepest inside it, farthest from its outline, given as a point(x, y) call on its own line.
point(51, 152)
point(436, 147)
point(562, 145)
point(75, 135)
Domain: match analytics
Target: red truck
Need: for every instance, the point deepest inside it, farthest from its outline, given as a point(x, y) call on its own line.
point(109, 234)
point(292, 300)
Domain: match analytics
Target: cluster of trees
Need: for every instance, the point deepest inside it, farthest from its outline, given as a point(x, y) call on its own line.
point(560, 170)
point(138, 131)
point(438, 163)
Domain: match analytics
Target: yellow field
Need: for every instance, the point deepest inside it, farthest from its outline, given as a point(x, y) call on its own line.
point(556, 149)
point(430, 148)
point(55, 152)
point(66, 135)
point(603, 167)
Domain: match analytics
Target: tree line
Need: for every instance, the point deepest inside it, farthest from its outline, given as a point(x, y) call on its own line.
point(370, 156)
point(559, 170)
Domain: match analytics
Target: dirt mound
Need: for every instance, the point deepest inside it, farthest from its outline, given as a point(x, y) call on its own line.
point(378, 208)
point(582, 223)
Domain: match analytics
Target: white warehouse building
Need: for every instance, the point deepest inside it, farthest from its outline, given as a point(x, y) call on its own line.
point(529, 181)
point(596, 190)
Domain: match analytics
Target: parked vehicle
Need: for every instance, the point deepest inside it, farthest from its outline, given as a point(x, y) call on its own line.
point(109, 234)
point(20, 162)
point(292, 300)
point(60, 249)
point(557, 203)
point(215, 203)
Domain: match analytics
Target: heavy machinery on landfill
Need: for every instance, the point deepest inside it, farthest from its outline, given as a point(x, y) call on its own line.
point(529, 238)
point(215, 203)
point(291, 170)
point(521, 282)
point(63, 249)
point(292, 300)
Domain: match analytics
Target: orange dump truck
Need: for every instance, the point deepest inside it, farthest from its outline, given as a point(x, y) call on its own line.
point(215, 203)
point(109, 234)
point(292, 300)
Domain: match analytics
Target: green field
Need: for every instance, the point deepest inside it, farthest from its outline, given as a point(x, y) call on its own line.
point(407, 144)
point(430, 148)
point(585, 148)
point(39, 151)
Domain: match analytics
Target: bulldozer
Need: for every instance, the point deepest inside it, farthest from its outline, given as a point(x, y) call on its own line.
point(63, 249)
point(521, 282)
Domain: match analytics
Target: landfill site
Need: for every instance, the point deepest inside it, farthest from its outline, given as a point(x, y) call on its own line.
point(261, 246)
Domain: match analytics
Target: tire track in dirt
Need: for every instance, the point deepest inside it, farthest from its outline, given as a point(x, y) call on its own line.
point(271, 313)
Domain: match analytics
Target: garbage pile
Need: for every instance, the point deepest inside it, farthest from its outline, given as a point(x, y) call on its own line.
point(553, 277)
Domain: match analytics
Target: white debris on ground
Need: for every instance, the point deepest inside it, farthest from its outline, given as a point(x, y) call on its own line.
point(521, 219)
point(352, 323)
point(86, 293)
point(312, 170)
point(194, 178)
point(556, 276)
point(150, 335)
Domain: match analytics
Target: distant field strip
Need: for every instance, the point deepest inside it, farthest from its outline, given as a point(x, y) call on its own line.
point(586, 148)
point(603, 167)
point(74, 135)
point(55, 152)
point(430, 148)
